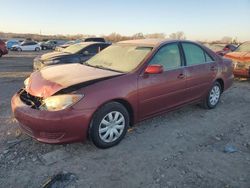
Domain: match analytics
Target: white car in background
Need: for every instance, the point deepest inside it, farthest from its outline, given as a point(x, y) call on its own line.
point(27, 46)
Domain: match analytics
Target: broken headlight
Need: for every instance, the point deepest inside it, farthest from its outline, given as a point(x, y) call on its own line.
point(60, 102)
point(26, 82)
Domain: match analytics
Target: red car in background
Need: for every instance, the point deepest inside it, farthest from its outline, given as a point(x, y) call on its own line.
point(124, 84)
point(241, 60)
point(227, 49)
point(3, 48)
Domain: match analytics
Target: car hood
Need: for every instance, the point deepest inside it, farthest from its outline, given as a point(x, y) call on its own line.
point(239, 56)
point(52, 79)
point(53, 55)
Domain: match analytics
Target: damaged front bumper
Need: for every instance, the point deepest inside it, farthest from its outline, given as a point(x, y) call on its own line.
point(69, 125)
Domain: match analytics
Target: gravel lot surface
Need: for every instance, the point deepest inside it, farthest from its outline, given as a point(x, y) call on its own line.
point(190, 147)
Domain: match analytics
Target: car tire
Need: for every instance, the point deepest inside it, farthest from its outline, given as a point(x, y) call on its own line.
point(37, 49)
point(19, 49)
point(1, 53)
point(213, 96)
point(109, 125)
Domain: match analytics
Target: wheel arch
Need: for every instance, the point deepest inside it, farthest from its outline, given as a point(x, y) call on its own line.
point(129, 108)
point(221, 82)
point(124, 103)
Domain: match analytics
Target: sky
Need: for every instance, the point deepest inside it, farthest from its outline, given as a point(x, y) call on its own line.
point(198, 19)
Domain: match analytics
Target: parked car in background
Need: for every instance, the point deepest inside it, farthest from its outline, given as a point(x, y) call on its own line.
point(11, 43)
point(94, 39)
point(26, 46)
point(90, 39)
point(241, 60)
point(126, 83)
point(77, 53)
point(228, 48)
point(66, 44)
point(51, 44)
point(3, 48)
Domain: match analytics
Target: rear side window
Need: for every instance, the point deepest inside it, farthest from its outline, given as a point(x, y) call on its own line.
point(168, 56)
point(194, 54)
point(103, 46)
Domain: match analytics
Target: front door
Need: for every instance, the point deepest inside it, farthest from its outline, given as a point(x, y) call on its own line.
point(160, 92)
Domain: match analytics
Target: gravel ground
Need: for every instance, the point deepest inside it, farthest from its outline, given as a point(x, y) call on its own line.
point(190, 147)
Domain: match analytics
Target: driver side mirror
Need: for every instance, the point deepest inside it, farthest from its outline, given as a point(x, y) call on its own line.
point(154, 69)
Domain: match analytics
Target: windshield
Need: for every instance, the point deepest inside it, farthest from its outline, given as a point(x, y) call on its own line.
point(245, 47)
point(121, 58)
point(74, 48)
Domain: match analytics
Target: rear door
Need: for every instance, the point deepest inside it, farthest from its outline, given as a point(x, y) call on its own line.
point(159, 92)
point(201, 70)
point(32, 46)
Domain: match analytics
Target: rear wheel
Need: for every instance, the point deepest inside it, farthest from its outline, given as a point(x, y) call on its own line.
point(213, 96)
point(1, 53)
point(19, 49)
point(109, 125)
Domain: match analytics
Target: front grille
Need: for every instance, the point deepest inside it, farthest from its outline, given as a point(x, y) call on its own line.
point(30, 100)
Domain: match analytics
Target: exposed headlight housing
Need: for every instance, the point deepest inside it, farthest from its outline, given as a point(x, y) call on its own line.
point(26, 82)
point(60, 102)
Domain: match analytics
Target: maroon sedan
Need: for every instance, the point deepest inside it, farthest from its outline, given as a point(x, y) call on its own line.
point(3, 48)
point(126, 83)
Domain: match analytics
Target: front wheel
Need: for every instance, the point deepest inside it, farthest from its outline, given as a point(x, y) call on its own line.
point(109, 125)
point(213, 96)
point(19, 49)
point(1, 53)
point(37, 49)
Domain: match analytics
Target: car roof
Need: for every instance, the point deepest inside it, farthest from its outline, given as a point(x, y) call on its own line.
point(144, 42)
point(152, 42)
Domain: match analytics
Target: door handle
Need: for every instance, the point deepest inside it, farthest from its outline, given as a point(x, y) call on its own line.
point(181, 76)
point(213, 68)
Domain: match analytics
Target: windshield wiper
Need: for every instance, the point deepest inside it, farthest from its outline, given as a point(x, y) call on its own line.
point(102, 67)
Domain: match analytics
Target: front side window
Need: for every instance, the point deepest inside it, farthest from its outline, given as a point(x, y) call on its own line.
point(194, 54)
point(168, 56)
point(119, 57)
